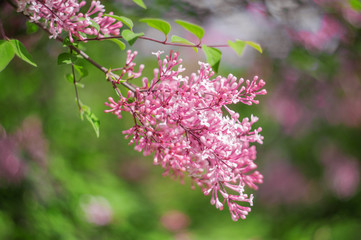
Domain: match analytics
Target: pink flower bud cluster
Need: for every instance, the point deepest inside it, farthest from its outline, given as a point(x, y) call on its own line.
point(180, 119)
point(60, 15)
point(127, 72)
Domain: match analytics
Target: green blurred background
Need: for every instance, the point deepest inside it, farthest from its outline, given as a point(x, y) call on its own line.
point(59, 181)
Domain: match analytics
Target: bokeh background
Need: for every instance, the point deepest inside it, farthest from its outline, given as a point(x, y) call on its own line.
point(59, 181)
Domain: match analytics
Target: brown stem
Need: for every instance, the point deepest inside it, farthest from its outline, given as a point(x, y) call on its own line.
point(155, 40)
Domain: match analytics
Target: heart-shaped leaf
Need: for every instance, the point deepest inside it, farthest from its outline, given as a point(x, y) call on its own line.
point(213, 56)
point(177, 39)
point(118, 42)
point(66, 58)
point(6, 53)
point(192, 28)
point(130, 36)
point(237, 46)
point(158, 24)
point(90, 116)
point(21, 52)
point(140, 3)
point(255, 46)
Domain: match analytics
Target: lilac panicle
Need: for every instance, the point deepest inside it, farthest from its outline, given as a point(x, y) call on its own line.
point(65, 16)
point(180, 120)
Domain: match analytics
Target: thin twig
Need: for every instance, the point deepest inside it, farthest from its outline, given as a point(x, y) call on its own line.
point(2, 31)
point(75, 86)
point(155, 40)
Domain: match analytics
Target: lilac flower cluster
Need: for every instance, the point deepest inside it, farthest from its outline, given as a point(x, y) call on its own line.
point(180, 119)
point(60, 15)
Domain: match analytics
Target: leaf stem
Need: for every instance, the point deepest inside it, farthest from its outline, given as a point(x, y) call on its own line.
point(75, 86)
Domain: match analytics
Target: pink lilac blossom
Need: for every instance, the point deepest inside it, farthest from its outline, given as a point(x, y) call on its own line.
point(330, 30)
point(342, 172)
point(287, 107)
point(60, 15)
point(31, 138)
point(351, 15)
point(12, 168)
point(285, 185)
point(180, 119)
point(258, 9)
point(175, 221)
point(27, 144)
point(339, 101)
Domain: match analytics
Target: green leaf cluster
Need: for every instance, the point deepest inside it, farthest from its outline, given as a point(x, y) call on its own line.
point(213, 54)
point(10, 48)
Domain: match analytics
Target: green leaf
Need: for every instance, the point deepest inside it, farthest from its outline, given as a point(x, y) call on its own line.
point(193, 28)
point(90, 116)
point(21, 52)
point(125, 20)
point(355, 4)
point(69, 77)
point(213, 56)
point(83, 72)
point(255, 46)
point(6, 53)
point(158, 24)
point(83, 35)
point(118, 42)
point(140, 3)
point(67, 43)
point(130, 36)
point(66, 58)
point(80, 84)
point(95, 25)
point(177, 39)
point(31, 27)
point(237, 46)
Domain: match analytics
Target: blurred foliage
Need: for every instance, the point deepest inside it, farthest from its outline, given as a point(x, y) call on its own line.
point(69, 184)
